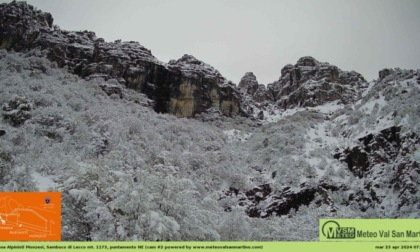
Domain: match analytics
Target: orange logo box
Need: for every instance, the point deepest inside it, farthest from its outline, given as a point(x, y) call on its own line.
point(30, 216)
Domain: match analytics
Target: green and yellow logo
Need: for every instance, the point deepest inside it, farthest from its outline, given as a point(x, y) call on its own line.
point(332, 230)
point(369, 230)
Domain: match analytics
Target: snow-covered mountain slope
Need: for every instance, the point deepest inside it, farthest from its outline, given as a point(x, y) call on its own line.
point(100, 122)
point(129, 173)
point(125, 171)
point(376, 140)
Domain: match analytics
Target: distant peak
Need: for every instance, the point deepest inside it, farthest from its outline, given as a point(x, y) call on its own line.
point(307, 61)
point(249, 74)
point(187, 58)
point(392, 74)
point(248, 83)
point(287, 68)
point(25, 14)
point(249, 77)
point(193, 67)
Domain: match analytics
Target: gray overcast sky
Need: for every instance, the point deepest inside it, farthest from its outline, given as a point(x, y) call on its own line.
point(261, 36)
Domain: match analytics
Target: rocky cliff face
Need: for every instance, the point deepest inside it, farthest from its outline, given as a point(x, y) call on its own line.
point(386, 148)
point(184, 87)
point(248, 86)
point(201, 87)
point(254, 96)
point(310, 83)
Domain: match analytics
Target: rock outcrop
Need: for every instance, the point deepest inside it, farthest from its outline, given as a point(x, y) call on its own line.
point(263, 201)
point(310, 83)
point(199, 87)
point(397, 74)
point(254, 96)
point(185, 87)
point(376, 151)
point(248, 84)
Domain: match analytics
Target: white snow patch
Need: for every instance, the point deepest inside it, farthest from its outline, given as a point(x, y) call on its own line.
point(417, 155)
point(383, 123)
point(368, 106)
point(273, 116)
point(119, 174)
point(43, 183)
point(278, 114)
point(367, 90)
point(235, 135)
point(77, 45)
point(320, 137)
point(328, 108)
point(313, 161)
